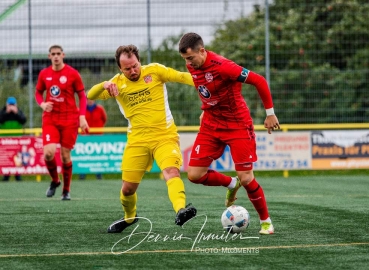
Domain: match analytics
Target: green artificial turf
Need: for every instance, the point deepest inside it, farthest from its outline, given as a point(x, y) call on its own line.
point(320, 223)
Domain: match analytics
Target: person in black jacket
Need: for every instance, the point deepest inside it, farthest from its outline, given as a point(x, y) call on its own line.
point(11, 117)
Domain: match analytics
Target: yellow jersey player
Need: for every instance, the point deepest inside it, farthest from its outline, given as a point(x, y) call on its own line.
point(141, 95)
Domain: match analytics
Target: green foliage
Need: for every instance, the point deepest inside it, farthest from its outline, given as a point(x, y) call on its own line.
point(10, 85)
point(318, 58)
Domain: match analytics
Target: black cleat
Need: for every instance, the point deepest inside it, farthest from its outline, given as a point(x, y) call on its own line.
point(185, 214)
point(65, 196)
point(51, 190)
point(120, 225)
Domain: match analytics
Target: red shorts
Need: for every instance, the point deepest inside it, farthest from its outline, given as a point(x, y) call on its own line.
point(210, 144)
point(64, 133)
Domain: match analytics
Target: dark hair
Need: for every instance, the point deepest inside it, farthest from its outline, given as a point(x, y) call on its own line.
point(128, 50)
point(190, 41)
point(55, 46)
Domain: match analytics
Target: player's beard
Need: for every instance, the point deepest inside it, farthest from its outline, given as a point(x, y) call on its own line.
point(134, 77)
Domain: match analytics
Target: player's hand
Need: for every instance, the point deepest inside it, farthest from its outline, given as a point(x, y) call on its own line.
point(47, 106)
point(112, 88)
point(271, 123)
point(83, 124)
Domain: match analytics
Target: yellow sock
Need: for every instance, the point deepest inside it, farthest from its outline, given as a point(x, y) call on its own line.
point(129, 206)
point(176, 192)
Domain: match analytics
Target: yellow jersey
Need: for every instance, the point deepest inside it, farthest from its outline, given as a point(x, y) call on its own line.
point(144, 103)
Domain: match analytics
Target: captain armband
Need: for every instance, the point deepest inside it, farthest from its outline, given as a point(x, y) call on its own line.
point(243, 75)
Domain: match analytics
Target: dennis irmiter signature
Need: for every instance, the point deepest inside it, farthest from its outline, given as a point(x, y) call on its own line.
point(150, 236)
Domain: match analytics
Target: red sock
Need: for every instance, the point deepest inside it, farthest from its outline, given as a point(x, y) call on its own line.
point(53, 170)
point(67, 175)
point(256, 196)
point(213, 178)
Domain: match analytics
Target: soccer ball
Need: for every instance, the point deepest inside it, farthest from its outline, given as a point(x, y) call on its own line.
point(235, 219)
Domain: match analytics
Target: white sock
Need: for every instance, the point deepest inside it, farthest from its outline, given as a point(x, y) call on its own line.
point(233, 183)
point(266, 220)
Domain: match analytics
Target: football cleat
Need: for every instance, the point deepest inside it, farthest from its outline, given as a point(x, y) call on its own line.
point(51, 190)
point(65, 196)
point(266, 228)
point(120, 225)
point(185, 214)
point(231, 193)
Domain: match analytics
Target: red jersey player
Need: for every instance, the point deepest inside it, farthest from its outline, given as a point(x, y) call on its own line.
point(226, 120)
point(61, 117)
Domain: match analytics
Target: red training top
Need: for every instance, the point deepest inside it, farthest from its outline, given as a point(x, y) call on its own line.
point(96, 116)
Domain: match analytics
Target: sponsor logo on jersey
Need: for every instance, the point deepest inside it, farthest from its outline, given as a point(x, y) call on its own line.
point(49, 78)
point(203, 91)
point(55, 91)
point(212, 103)
point(138, 97)
point(63, 79)
point(209, 77)
point(148, 79)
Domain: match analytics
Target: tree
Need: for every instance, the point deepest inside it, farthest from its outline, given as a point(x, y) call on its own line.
point(316, 48)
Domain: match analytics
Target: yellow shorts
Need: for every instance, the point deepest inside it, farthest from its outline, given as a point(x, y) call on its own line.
point(138, 158)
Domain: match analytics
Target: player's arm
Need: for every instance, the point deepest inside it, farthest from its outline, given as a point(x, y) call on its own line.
point(171, 75)
point(182, 77)
point(271, 122)
point(39, 94)
point(104, 90)
point(46, 106)
point(82, 111)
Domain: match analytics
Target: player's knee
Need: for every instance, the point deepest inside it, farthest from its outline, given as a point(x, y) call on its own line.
point(195, 176)
point(128, 190)
point(66, 160)
point(192, 176)
point(170, 173)
point(246, 177)
point(49, 155)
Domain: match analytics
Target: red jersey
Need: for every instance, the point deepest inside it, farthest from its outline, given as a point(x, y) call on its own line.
point(219, 83)
point(60, 88)
point(96, 116)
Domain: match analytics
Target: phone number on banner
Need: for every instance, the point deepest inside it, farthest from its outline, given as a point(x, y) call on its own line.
point(282, 164)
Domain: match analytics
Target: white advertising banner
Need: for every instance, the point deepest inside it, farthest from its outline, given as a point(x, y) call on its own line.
point(277, 151)
point(283, 151)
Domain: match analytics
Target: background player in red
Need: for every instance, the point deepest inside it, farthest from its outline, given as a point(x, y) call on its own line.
point(61, 117)
point(96, 118)
point(226, 120)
